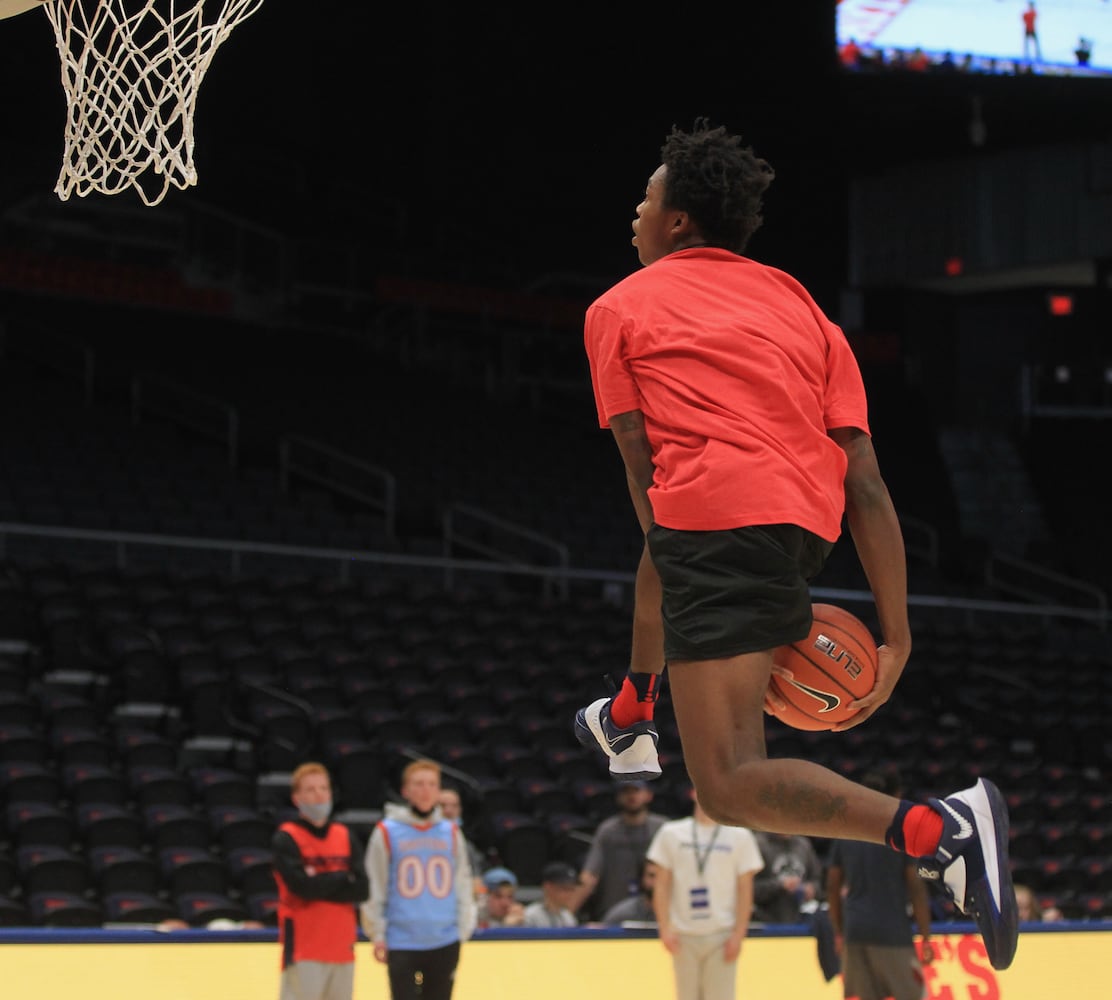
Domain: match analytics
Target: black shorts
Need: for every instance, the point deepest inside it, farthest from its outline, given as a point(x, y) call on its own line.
point(736, 591)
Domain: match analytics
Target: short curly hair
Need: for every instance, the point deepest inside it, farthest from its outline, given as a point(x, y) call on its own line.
point(717, 181)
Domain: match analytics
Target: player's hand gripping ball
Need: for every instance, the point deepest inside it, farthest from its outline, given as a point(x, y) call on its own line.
point(833, 666)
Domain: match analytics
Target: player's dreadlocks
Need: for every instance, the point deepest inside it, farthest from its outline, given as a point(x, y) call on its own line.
point(717, 181)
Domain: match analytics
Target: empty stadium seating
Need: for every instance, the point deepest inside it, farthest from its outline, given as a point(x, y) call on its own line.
point(149, 722)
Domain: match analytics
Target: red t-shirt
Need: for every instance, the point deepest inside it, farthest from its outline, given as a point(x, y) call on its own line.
point(739, 376)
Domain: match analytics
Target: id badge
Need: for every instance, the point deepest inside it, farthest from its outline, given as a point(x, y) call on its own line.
point(699, 899)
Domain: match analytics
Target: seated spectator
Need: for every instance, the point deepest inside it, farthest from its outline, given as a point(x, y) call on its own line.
point(1030, 910)
point(558, 884)
point(787, 889)
point(639, 908)
point(620, 842)
point(498, 906)
point(451, 807)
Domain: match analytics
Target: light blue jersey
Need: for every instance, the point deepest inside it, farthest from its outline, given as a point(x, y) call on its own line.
point(421, 905)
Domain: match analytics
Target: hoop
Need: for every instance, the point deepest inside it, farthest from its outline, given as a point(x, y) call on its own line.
point(131, 70)
point(10, 8)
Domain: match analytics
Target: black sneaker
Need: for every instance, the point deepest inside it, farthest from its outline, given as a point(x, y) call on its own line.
point(972, 865)
point(632, 751)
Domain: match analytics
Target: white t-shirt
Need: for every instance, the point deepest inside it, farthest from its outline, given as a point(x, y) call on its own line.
point(706, 861)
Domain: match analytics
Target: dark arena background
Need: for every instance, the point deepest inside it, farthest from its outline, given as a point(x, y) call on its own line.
point(302, 463)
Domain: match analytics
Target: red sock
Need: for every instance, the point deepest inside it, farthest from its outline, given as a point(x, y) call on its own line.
point(922, 830)
point(636, 700)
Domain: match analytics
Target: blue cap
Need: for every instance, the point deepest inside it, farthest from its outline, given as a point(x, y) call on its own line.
point(495, 877)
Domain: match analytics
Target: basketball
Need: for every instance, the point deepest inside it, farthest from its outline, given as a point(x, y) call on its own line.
point(834, 665)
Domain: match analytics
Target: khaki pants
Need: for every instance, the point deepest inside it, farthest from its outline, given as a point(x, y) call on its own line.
point(876, 971)
point(318, 981)
point(701, 971)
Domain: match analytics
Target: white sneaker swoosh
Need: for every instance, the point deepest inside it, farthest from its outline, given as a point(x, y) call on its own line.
point(965, 828)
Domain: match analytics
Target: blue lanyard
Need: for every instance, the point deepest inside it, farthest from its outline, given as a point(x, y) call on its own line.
point(701, 859)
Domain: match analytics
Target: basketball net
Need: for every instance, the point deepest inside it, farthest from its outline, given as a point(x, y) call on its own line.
point(131, 70)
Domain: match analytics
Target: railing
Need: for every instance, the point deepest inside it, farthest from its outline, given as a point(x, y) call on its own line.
point(195, 411)
point(341, 473)
point(121, 545)
point(489, 537)
point(559, 577)
point(1031, 582)
point(921, 539)
point(1086, 394)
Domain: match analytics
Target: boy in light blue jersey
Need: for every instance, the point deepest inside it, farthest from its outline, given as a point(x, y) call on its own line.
point(422, 905)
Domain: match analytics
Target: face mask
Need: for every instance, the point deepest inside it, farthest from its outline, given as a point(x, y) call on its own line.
point(316, 812)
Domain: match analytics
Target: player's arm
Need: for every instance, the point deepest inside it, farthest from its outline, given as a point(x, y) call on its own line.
point(466, 906)
point(633, 445)
point(646, 654)
point(588, 882)
point(878, 539)
point(742, 915)
point(336, 887)
point(372, 913)
point(835, 881)
point(358, 886)
point(766, 883)
point(662, 907)
point(920, 909)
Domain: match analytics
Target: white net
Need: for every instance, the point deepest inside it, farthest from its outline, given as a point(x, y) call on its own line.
point(131, 70)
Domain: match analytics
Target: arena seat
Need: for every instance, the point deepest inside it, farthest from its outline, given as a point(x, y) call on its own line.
point(33, 824)
point(522, 844)
point(13, 913)
point(128, 907)
point(192, 869)
point(235, 827)
point(103, 824)
point(95, 782)
point(251, 871)
point(173, 825)
point(120, 868)
point(199, 908)
point(30, 781)
point(55, 908)
point(46, 868)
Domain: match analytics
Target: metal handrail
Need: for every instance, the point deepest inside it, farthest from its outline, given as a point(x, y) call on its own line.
point(921, 539)
point(387, 503)
point(453, 537)
point(344, 558)
point(228, 414)
point(1050, 580)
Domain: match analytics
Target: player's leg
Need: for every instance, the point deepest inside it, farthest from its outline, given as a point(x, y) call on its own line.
point(718, 976)
point(317, 981)
point(901, 972)
point(622, 726)
point(439, 972)
point(961, 840)
point(686, 965)
point(719, 709)
point(340, 984)
point(859, 980)
point(403, 969)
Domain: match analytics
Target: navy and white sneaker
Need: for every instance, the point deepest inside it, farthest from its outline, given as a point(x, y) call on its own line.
point(632, 751)
point(972, 865)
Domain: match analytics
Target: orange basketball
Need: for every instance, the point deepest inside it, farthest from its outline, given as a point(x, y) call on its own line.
point(833, 666)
